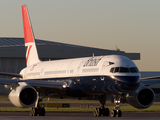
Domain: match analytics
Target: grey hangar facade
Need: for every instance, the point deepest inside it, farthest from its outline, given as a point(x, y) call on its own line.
point(12, 53)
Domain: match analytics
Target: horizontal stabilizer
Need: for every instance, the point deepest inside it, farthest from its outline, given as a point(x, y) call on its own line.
point(11, 74)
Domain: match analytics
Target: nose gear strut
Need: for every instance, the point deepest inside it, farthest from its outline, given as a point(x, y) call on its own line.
point(117, 112)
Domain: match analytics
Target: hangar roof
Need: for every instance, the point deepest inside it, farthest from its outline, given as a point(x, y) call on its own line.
point(14, 48)
point(4, 42)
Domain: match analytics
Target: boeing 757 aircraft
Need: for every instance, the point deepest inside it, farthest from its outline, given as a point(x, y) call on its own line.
point(79, 77)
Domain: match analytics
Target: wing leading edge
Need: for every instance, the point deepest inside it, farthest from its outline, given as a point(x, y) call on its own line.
point(147, 81)
point(148, 78)
point(59, 85)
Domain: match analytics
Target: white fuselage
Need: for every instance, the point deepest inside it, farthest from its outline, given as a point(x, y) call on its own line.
point(88, 66)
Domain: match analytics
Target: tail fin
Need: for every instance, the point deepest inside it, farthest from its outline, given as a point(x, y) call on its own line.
point(31, 50)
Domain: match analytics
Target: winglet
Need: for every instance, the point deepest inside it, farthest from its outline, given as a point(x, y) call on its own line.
point(31, 51)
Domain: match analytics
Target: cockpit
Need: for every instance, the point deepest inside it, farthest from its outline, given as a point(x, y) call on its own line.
point(124, 70)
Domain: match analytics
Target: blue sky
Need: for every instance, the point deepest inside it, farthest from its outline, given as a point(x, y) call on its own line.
point(132, 25)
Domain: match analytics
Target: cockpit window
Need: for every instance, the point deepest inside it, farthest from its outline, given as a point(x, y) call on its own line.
point(124, 70)
point(112, 70)
point(116, 69)
point(134, 70)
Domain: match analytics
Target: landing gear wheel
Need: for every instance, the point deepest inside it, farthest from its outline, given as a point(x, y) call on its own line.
point(33, 112)
point(113, 113)
point(97, 112)
point(105, 112)
point(119, 113)
point(37, 112)
point(117, 100)
point(43, 112)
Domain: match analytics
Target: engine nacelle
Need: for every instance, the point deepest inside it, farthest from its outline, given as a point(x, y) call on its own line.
point(141, 98)
point(23, 96)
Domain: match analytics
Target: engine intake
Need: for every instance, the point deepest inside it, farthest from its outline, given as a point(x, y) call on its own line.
point(23, 96)
point(141, 98)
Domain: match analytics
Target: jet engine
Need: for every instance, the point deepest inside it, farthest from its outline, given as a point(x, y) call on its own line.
point(23, 96)
point(143, 97)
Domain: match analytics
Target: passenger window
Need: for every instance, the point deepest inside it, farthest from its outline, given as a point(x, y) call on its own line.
point(124, 70)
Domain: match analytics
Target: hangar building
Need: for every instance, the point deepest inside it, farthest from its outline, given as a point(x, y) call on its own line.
point(12, 52)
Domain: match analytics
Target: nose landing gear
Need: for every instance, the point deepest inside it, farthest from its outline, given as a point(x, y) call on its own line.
point(102, 111)
point(117, 112)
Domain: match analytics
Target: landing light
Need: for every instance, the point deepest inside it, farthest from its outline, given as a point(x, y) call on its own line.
point(112, 77)
point(64, 86)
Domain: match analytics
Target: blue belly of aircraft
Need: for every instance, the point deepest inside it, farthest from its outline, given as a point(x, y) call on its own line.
point(83, 86)
point(99, 84)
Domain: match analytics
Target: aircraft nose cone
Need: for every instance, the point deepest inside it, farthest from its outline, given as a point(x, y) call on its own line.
point(127, 83)
point(128, 79)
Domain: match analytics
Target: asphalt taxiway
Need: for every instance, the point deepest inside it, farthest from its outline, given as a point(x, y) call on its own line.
point(78, 116)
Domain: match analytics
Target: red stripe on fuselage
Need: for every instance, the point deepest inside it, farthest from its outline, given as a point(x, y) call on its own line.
point(28, 52)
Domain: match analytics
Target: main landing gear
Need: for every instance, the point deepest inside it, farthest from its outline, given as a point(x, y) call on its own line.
point(102, 111)
point(38, 110)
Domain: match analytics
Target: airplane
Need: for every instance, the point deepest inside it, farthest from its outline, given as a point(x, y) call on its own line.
point(78, 77)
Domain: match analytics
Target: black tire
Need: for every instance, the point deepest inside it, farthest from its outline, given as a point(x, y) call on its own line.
point(113, 113)
point(99, 112)
point(43, 112)
point(119, 113)
point(34, 112)
point(106, 112)
point(31, 112)
point(95, 112)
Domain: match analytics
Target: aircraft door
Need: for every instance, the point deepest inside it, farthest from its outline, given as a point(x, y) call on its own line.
point(105, 64)
point(79, 69)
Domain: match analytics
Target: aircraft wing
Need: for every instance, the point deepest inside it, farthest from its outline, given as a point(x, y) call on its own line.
point(31, 82)
point(35, 83)
point(150, 80)
point(153, 83)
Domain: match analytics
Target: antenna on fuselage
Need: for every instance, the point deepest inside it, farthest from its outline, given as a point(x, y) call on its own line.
point(117, 49)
